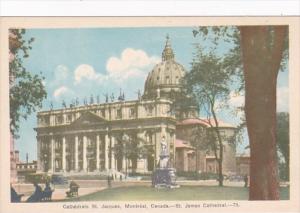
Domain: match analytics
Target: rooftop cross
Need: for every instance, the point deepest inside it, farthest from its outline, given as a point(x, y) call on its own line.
point(167, 53)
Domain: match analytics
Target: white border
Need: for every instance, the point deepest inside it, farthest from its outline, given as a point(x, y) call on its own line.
point(291, 205)
point(150, 8)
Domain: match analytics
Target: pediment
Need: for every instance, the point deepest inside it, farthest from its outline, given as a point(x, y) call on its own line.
point(88, 118)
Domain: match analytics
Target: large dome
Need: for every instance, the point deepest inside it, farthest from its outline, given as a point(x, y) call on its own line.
point(165, 78)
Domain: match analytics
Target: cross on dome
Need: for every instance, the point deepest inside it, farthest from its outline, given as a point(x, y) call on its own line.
point(167, 53)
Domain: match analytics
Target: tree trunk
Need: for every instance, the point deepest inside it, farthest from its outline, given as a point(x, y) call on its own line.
point(220, 143)
point(220, 173)
point(262, 53)
point(197, 159)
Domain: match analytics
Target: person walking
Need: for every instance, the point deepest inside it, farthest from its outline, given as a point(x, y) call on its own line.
point(246, 181)
point(108, 181)
point(37, 195)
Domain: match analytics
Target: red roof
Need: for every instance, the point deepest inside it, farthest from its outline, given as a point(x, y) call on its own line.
point(205, 122)
point(190, 121)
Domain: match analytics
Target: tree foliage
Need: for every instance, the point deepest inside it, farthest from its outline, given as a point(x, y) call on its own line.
point(208, 82)
point(230, 38)
point(283, 140)
point(26, 90)
point(131, 149)
point(255, 55)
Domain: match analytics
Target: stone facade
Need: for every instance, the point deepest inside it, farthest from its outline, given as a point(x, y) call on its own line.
point(193, 129)
point(85, 138)
point(82, 138)
point(243, 164)
point(25, 168)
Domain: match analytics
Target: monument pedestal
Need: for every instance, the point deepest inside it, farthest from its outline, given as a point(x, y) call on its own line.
point(164, 176)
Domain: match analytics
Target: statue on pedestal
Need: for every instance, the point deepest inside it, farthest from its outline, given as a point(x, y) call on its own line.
point(164, 155)
point(164, 175)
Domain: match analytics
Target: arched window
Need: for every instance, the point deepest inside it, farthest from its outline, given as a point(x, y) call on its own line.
point(167, 79)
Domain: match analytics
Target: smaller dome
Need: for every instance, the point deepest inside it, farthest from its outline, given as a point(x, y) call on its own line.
point(165, 76)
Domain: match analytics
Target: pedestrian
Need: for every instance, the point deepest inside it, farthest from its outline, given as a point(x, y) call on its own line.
point(37, 195)
point(14, 196)
point(246, 181)
point(108, 181)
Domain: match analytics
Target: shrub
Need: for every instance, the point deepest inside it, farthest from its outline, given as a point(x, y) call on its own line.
point(37, 178)
point(191, 175)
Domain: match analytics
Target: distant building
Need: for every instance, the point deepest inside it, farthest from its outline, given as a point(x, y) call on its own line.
point(26, 168)
point(82, 139)
point(243, 164)
point(185, 156)
point(14, 158)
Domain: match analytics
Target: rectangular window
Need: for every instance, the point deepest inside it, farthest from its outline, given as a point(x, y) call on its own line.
point(103, 113)
point(119, 113)
point(167, 79)
point(58, 119)
point(149, 110)
point(222, 133)
point(47, 120)
point(131, 112)
point(69, 118)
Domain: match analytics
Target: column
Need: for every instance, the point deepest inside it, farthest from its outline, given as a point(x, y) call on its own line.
point(76, 153)
point(84, 154)
point(106, 151)
point(64, 153)
point(39, 145)
point(124, 164)
point(52, 155)
point(157, 147)
point(112, 153)
point(98, 153)
point(140, 162)
point(173, 141)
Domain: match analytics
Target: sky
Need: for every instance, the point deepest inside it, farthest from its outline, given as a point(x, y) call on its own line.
point(78, 63)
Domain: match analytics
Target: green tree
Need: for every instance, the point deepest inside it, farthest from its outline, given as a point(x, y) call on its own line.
point(199, 141)
point(256, 55)
point(208, 82)
point(129, 148)
point(283, 141)
point(26, 90)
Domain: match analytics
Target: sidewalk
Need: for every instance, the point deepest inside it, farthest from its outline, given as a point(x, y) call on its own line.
point(60, 193)
point(91, 186)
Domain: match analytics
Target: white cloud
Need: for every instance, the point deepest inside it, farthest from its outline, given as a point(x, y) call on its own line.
point(61, 72)
point(85, 71)
point(282, 99)
point(234, 102)
point(61, 76)
point(62, 91)
point(132, 63)
point(236, 99)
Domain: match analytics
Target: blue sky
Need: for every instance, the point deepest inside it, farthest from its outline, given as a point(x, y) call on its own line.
point(84, 62)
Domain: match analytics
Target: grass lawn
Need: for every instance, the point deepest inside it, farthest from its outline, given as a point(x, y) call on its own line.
point(182, 193)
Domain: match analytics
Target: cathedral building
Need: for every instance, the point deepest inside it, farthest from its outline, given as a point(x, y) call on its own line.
point(125, 135)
